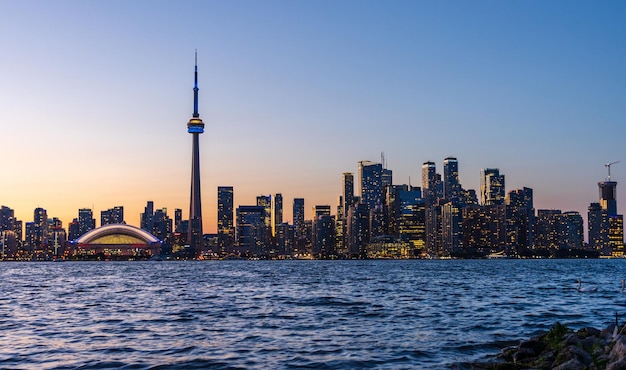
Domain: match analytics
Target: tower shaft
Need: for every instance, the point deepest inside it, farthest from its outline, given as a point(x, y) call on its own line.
point(195, 126)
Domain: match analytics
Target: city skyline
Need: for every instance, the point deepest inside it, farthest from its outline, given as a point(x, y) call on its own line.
point(295, 94)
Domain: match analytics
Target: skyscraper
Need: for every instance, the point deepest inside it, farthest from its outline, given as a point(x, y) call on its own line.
point(429, 182)
point(608, 190)
point(113, 215)
point(491, 186)
point(451, 183)
point(348, 191)
point(195, 126)
point(278, 211)
point(298, 216)
point(86, 221)
point(225, 218)
point(370, 177)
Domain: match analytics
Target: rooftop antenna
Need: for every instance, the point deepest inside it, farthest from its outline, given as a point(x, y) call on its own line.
point(608, 166)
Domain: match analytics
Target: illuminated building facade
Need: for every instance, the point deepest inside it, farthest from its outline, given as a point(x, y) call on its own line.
point(113, 215)
point(492, 189)
point(225, 218)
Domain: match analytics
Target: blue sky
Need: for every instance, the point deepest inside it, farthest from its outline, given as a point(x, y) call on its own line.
point(95, 96)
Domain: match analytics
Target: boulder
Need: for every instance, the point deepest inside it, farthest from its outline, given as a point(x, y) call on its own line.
point(617, 365)
point(535, 345)
point(572, 364)
point(572, 352)
point(618, 352)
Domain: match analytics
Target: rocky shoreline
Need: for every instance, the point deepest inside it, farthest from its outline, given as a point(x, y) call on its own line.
point(564, 349)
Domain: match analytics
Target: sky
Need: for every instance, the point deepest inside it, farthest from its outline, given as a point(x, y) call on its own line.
point(95, 97)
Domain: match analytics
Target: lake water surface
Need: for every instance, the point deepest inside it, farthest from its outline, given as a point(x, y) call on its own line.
point(292, 314)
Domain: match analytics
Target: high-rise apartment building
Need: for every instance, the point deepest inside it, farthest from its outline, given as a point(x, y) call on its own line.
point(86, 222)
point(113, 215)
point(608, 195)
point(451, 184)
point(492, 190)
point(147, 216)
point(298, 217)
point(370, 180)
point(348, 190)
point(598, 229)
point(278, 211)
point(251, 230)
point(520, 215)
point(429, 182)
point(225, 218)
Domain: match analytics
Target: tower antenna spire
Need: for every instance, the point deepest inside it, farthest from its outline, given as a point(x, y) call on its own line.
point(195, 87)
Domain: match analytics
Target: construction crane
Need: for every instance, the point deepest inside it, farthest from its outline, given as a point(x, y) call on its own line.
point(608, 165)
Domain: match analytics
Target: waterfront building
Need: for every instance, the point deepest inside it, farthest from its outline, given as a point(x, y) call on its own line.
point(195, 127)
point(598, 229)
point(358, 232)
point(547, 230)
point(265, 201)
point(484, 229)
point(323, 245)
point(616, 235)
point(115, 241)
point(492, 190)
point(520, 219)
point(225, 218)
point(285, 237)
point(251, 230)
point(371, 185)
point(340, 222)
point(56, 238)
point(429, 173)
point(407, 215)
point(113, 215)
point(451, 237)
point(571, 234)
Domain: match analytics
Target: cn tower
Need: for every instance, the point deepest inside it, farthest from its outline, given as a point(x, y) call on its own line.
point(195, 126)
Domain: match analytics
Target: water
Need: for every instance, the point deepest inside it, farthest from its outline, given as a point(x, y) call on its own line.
point(292, 314)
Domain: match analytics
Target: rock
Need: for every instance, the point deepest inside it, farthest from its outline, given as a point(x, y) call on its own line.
point(588, 332)
point(617, 365)
point(573, 352)
point(523, 353)
point(572, 364)
point(593, 344)
point(607, 333)
point(535, 345)
point(618, 352)
point(571, 339)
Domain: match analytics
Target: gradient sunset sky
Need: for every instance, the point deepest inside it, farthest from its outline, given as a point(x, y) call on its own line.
point(95, 97)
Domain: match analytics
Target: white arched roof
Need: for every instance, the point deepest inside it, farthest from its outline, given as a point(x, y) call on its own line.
point(116, 229)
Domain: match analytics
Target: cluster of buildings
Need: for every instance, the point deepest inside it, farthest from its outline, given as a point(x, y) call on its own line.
point(373, 219)
point(439, 219)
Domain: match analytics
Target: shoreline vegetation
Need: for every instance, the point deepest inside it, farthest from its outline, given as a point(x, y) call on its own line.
point(562, 348)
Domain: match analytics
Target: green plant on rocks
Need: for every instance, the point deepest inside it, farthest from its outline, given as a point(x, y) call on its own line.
point(554, 337)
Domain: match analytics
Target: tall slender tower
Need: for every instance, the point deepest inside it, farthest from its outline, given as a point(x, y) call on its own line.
point(195, 126)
